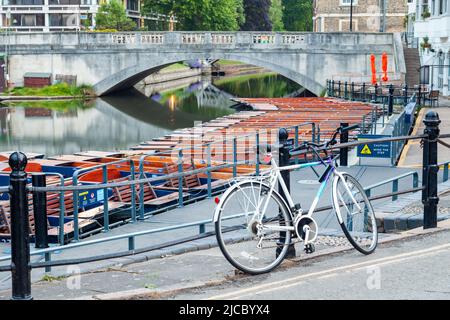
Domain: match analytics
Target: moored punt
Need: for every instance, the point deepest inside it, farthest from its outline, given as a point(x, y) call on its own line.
point(30, 155)
point(223, 140)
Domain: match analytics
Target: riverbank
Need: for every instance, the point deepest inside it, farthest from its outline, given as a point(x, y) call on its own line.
point(60, 91)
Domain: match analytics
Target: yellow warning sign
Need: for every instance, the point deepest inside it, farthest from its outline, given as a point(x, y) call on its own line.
point(366, 150)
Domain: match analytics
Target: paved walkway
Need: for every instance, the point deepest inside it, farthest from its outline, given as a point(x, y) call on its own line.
point(412, 154)
point(303, 191)
point(206, 274)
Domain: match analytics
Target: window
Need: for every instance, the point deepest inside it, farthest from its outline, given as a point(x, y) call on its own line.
point(60, 2)
point(24, 2)
point(63, 20)
point(448, 66)
point(133, 5)
point(441, 70)
point(441, 6)
point(348, 2)
point(27, 20)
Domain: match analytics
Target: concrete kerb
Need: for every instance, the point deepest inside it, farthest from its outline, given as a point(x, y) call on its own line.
point(171, 290)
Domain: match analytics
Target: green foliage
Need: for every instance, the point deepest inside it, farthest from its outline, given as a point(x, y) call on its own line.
point(112, 15)
point(276, 15)
point(257, 17)
point(298, 15)
point(60, 89)
point(199, 15)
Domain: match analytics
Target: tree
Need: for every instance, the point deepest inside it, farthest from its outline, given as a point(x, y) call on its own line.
point(200, 15)
point(257, 16)
point(298, 15)
point(112, 15)
point(276, 15)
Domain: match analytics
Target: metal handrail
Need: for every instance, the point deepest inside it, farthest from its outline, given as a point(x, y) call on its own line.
point(201, 224)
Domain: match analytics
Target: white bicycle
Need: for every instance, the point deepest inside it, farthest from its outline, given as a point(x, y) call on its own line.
point(254, 224)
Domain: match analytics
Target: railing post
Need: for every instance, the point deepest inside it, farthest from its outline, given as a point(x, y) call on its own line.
point(257, 154)
point(332, 88)
point(328, 88)
point(235, 157)
point(405, 97)
point(364, 92)
point(346, 90)
point(208, 164)
point(391, 100)
point(20, 228)
point(133, 192)
point(394, 189)
point(375, 93)
point(105, 202)
point(343, 151)
point(353, 91)
point(339, 89)
point(180, 179)
point(430, 170)
point(40, 211)
point(419, 98)
point(284, 160)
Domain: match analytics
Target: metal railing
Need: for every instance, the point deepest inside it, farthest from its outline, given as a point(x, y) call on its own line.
point(18, 189)
point(378, 93)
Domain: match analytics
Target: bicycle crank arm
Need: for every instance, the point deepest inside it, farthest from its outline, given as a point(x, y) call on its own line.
point(278, 228)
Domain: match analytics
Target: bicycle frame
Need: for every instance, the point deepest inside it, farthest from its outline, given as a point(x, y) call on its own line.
point(276, 171)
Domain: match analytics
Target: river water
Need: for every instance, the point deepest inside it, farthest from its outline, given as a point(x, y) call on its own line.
point(125, 119)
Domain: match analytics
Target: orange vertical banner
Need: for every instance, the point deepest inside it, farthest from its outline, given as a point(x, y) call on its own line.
point(384, 66)
point(374, 69)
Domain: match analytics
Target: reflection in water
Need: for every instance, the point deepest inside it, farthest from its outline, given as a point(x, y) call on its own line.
point(124, 119)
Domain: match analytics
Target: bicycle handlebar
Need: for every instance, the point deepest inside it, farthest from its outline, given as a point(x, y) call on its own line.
point(332, 141)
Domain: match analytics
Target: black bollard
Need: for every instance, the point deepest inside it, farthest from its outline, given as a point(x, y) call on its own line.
point(284, 160)
point(391, 100)
point(430, 170)
point(20, 228)
point(343, 159)
point(40, 211)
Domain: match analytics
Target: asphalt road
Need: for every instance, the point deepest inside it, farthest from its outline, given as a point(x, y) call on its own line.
point(411, 269)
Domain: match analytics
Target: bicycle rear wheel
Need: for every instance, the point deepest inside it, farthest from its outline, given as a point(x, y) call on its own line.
point(249, 245)
point(355, 213)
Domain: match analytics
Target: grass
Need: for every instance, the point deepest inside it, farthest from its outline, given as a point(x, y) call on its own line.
point(244, 77)
point(174, 67)
point(60, 89)
point(229, 62)
point(49, 278)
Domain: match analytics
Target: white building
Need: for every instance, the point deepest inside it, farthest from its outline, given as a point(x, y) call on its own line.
point(47, 15)
point(432, 28)
point(62, 15)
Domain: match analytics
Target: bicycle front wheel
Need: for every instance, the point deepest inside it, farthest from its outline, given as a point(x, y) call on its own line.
point(250, 244)
point(355, 213)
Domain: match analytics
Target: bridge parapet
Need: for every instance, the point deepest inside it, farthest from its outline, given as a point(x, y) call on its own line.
point(267, 40)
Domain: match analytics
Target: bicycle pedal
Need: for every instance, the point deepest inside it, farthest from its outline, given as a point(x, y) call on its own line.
point(309, 248)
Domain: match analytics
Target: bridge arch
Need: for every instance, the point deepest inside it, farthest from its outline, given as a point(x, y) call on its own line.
point(130, 76)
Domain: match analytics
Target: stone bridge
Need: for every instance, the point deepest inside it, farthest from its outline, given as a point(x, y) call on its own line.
point(115, 61)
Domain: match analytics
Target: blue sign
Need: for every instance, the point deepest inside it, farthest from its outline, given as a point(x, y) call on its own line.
point(374, 150)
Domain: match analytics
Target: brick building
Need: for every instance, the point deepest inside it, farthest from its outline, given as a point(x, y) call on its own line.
point(368, 15)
